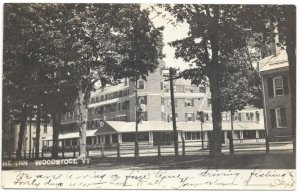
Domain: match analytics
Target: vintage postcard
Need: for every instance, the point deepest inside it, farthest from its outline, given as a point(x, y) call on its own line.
point(149, 96)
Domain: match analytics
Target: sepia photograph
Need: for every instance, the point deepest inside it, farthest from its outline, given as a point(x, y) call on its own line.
point(148, 96)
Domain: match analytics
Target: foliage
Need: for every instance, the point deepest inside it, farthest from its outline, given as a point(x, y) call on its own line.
point(55, 53)
point(241, 83)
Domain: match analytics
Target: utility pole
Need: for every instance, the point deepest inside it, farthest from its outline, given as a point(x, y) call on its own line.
point(175, 135)
point(136, 141)
point(30, 120)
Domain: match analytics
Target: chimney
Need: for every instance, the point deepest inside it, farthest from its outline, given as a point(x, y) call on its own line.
point(274, 48)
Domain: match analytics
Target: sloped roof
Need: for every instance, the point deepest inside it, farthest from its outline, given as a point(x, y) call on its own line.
point(274, 62)
point(110, 89)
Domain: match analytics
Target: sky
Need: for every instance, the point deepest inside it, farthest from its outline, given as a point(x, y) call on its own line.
point(170, 33)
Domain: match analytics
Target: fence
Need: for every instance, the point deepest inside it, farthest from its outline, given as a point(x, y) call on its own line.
point(196, 147)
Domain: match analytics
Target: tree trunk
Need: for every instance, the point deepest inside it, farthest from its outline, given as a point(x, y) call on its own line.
point(22, 131)
point(38, 132)
point(215, 77)
point(291, 52)
point(56, 117)
point(216, 142)
point(83, 102)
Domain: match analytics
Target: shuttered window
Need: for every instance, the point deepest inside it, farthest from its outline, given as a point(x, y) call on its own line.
point(189, 117)
point(278, 86)
point(278, 118)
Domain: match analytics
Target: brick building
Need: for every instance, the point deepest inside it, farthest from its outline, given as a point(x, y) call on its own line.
point(116, 105)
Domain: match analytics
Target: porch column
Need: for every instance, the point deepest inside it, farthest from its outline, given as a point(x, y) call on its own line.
point(257, 135)
point(241, 134)
point(120, 138)
point(179, 137)
point(110, 139)
point(226, 137)
point(103, 139)
point(150, 137)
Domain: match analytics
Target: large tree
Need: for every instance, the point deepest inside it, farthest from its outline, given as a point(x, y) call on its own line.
point(240, 87)
point(71, 47)
point(214, 32)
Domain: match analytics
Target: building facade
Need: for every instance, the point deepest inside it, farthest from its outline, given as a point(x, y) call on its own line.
point(115, 106)
point(274, 72)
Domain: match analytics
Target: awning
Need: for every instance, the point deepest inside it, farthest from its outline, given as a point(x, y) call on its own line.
point(111, 127)
point(110, 101)
point(72, 135)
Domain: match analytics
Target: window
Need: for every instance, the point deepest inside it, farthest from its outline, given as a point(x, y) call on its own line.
point(189, 102)
point(180, 88)
point(240, 117)
point(115, 138)
point(167, 89)
point(77, 114)
point(278, 86)
point(249, 116)
point(161, 86)
point(236, 134)
point(141, 84)
point(67, 142)
point(236, 116)
point(125, 105)
point(162, 116)
point(97, 99)
point(45, 128)
point(249, 134)
point(189, 117)
point(93, 100)
point(188, 89)
point(261, 134)
point(192, 89)
point(225, 117)
point(125, 93)
point(192, 135)
point(142, 100)
point(280, 117)
point(206, 117)
point(162, 101)
point(257, 116)
point(89, 141)
point(209, 102)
